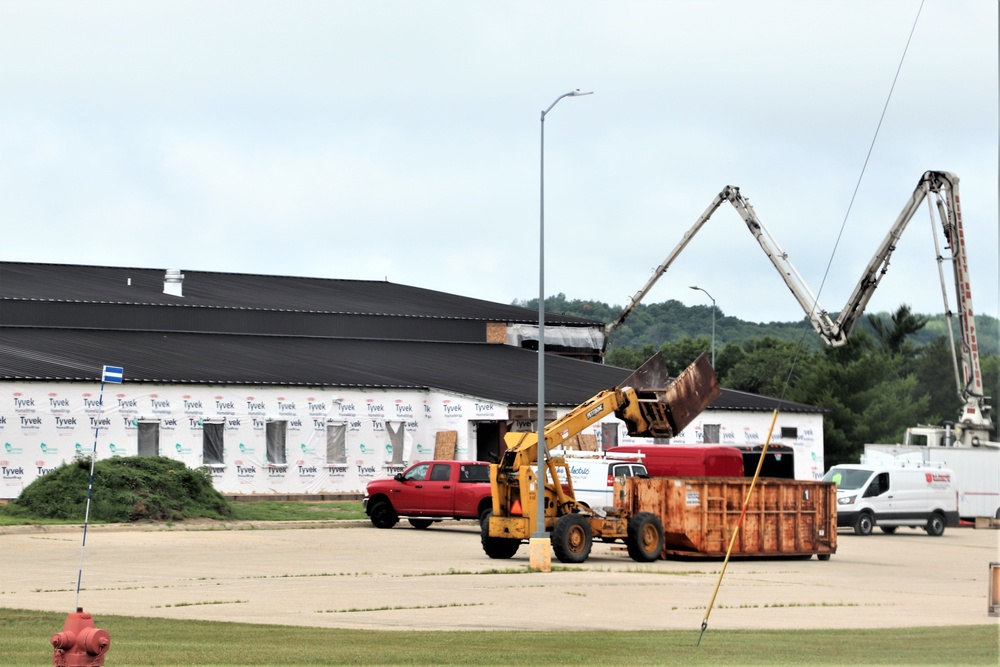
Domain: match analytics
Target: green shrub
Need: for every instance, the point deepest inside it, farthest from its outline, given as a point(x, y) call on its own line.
point(125, 489)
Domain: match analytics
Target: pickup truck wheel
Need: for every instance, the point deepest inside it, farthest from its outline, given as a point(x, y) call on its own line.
point(420, 524)
point(863, 524)
point(496, 547)
point(383, 516)
point(571, 538)
point(935, 525)
point(645, 537)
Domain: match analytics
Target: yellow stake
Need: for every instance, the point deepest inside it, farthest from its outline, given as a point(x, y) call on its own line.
point(736, 530)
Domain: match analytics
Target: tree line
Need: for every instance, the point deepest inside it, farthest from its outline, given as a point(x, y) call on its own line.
point(896, 371)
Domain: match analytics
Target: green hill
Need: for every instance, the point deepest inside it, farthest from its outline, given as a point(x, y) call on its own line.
point(658, 323)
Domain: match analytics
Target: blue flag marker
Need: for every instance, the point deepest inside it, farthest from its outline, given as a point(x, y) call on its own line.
point(112, 374)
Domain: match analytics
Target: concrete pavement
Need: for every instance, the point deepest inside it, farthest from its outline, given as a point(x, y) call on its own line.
point(351, 575)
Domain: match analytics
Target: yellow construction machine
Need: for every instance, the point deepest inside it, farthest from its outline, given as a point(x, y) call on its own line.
point(650, 406)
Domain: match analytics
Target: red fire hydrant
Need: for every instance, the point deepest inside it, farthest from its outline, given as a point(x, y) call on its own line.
point(80, 644)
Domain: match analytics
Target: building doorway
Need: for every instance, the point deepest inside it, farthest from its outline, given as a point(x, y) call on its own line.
point(489, 440)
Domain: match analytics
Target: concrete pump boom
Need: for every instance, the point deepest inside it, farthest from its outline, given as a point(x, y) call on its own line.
point(943, 186)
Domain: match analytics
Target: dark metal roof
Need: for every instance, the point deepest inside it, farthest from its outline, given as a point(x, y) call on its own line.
point(125, 316)
point(102, 284)
point(496, 372)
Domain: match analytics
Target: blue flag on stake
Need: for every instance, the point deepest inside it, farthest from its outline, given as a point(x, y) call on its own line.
point(112, 374)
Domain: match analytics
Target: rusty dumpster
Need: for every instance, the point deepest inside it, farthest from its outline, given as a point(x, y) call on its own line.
point(784, 517)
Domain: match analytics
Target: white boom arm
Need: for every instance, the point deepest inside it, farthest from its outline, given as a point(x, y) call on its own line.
point(944, 187)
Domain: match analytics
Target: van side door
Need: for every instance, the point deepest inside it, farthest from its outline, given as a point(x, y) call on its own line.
point(878, 495)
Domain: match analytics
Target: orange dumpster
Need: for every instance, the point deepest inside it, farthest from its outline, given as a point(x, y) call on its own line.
point(785, 517)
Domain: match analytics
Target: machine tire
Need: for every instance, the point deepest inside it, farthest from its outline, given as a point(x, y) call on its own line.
point(571, 538)
point(420, 524)
point(863, 524)
point(496, 547)
point(383, 516)
point(935, 525)
point(822, 556)
point(484, 516)
point(645, 537)
point(888, 530)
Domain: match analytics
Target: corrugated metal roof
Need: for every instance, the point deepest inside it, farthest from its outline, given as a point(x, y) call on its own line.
point(81, 315)
point(65, 282)
point(495, 372)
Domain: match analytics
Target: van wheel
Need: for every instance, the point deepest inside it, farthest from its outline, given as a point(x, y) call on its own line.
point(863, 524)
point(645, 537)
point(496, 547)
point(935, 525)
point(571, 538)
point(888, 530)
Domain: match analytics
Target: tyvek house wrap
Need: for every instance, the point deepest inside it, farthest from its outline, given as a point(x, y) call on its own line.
point(335, 440)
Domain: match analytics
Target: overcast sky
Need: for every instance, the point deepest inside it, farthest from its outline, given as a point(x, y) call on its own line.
point(400, 141)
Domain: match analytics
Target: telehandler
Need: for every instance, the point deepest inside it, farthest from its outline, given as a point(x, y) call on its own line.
point(651, 406)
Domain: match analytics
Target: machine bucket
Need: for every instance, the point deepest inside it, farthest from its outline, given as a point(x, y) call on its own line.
point(693, 391)
point(667, 407)
point(651, 375)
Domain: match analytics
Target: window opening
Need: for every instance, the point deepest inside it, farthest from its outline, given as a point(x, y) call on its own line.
point(336, 443)
point(711, 433)
point(212, 446)
point(789, 433)
point(609, 435)
point(275, 432)
point(148, 435)
point(397, 435)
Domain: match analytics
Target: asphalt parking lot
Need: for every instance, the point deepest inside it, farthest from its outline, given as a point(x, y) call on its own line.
point(352, 575)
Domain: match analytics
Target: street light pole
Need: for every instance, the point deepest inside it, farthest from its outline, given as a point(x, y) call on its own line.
point(695, 287)
point(541, 447)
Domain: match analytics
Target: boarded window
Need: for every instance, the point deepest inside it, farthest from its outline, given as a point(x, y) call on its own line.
point(711, 432)
point(336, 443)
point(148, 434)
point(212, 443)
point(397, 435)
point(275, 433)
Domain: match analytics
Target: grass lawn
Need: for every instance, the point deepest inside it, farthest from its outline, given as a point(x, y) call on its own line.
point(24, 640)
point(242, 511)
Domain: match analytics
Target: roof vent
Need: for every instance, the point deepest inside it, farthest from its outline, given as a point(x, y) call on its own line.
point(173, 283)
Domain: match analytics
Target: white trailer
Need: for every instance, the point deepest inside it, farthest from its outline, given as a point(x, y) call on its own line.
point(977, 472)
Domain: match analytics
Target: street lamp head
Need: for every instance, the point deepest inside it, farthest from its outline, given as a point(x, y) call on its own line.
point(572, 93)
point(702, 289)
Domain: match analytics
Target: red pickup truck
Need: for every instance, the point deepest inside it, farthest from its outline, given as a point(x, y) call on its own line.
point(430, 491)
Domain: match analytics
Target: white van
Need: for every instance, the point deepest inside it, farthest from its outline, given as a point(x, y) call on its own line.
point(917, 496)
point(593, 475)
